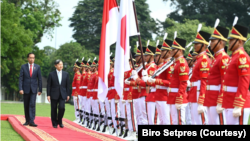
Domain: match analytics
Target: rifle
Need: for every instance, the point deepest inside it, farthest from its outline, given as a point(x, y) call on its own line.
point(163, 68)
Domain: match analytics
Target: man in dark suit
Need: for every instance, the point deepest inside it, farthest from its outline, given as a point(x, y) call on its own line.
point(29, 74)
point(58, 92)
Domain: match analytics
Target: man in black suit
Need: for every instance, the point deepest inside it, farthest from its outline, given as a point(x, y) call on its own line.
point(29, 74)
point(57, 93)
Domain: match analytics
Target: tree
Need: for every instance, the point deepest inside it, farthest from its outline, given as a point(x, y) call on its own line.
point(39, 16)
point(209, 10)
point(87, 22)
point(16, 43)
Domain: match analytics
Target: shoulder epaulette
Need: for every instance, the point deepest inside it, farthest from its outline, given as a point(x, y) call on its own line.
point(182, 60)
point(241, 52)
point(204, 56)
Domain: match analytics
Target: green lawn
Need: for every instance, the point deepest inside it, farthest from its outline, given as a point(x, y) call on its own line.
point(8, 133)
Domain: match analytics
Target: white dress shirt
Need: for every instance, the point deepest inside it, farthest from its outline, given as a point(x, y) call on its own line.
point(32, 67)
point(60, 76)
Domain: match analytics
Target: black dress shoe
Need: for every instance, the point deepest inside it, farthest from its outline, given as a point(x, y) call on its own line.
point(33, 125)
point(54, 126)
point(26, 123)
point(61, 125)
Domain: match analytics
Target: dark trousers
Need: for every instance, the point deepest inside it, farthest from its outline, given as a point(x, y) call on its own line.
point(57, 118)
point(29, 106)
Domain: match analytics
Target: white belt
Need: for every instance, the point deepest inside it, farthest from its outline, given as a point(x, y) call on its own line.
point(161, 87)
point(152, 89)
point(135, 88)
point(126, 89)
point(83, 87)
point(213, 87)
point(196, 83)
point(174, 90)
point(92, 90)
point(230, 89)
point(73, 87)
point(110, 88)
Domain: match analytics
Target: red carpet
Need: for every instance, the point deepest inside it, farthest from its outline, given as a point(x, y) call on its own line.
point(45, 131)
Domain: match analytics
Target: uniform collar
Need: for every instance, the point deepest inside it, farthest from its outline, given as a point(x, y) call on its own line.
point(200, 54)
point(218, 52)
point(178, 58)
point(237, 50)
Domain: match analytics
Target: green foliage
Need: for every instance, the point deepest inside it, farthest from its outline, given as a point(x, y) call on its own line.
point(39, 16)
point(16, 43)
point(209, 10)
point(87, 23)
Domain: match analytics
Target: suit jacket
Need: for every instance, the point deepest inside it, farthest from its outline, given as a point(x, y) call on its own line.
point(27, 83)
point(54, 89)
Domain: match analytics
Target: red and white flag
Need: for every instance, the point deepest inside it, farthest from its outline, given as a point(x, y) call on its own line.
point(108, 37)
point(126, 28)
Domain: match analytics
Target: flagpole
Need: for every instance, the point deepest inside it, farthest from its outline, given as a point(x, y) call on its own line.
point(139, 36)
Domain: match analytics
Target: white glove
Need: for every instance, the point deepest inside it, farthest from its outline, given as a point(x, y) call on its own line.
point(134, 72)
point(200, 108)
point(237, 112)
point(151, 80)
point(178, 106)
point(144, 73)
point(219, 108)
point(127, 82)
point(135, 76)
point(145, 78)
point(188, 84)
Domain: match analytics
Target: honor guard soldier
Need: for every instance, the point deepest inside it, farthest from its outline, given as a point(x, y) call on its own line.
point(150, 69)
point(216, 74)
point(235, 97)
point(136, 88)
point(177, 97)
point(91, 93)
point(84, 90)
point(130, 132)
point(107, 103)
point(82, 95)
point(150, 99)
point(199, 78)
point(190, 62)
point(76, 89)
point(113, 97)
point(161, 82)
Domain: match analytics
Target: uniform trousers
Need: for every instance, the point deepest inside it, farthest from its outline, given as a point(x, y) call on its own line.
point(198, 119)
point(96, 109)
point(153, 118)
point(108, 111)
point(131, 116)
point(114, 112)
point(241, 120)
point(122, 111)
point(214, 118)
point(178, 116)
point(163, 112)
point(82, 101)
point(188, 114)
point(137, 113)
point(76, 106)
point(142, 111)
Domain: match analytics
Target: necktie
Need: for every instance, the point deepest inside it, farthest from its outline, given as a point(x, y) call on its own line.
point(59, 77)
point(30, 70)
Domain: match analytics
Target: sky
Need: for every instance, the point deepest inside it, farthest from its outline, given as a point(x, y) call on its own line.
point(63, 34)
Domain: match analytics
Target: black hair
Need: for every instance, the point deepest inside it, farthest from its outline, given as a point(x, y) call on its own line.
point(57, 61)
point(29, 54)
